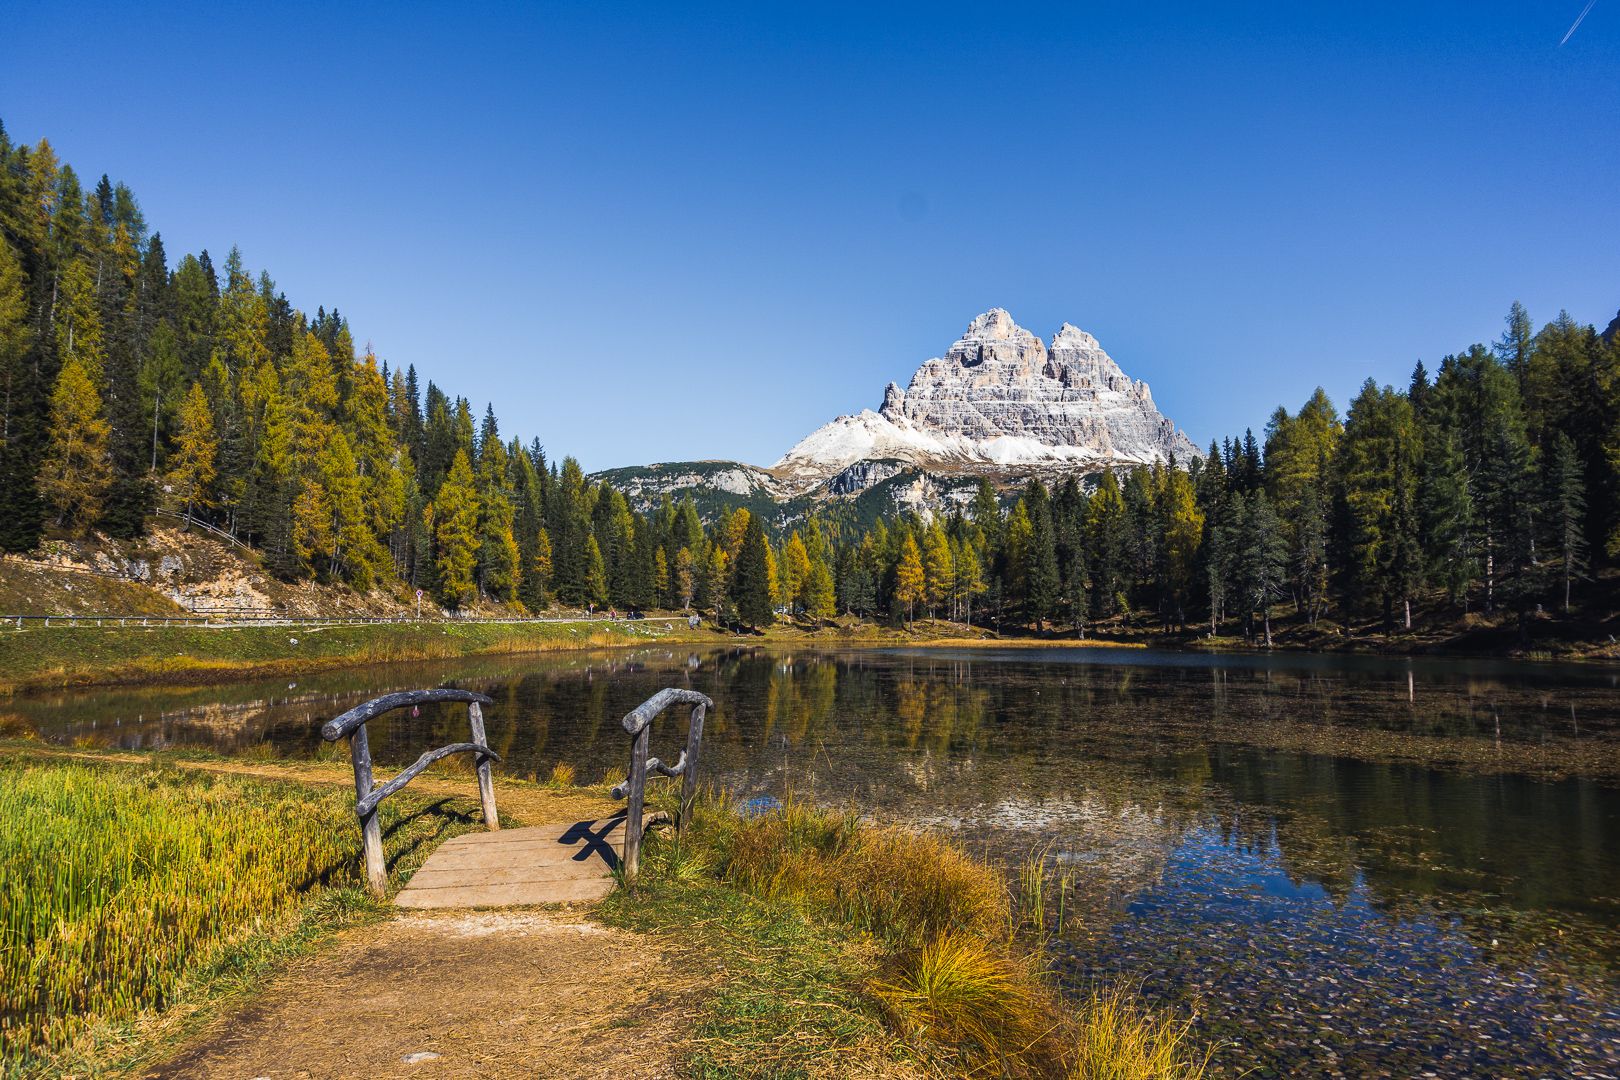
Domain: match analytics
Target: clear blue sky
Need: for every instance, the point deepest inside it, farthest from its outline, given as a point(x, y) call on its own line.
point(648, 234)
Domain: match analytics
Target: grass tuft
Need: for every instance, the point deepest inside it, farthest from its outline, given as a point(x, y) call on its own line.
point(961, 993)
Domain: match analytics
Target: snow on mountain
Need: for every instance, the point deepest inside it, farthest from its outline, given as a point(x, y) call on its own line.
point(1000, 400)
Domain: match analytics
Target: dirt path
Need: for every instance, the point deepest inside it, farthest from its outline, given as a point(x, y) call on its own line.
point(459, 994)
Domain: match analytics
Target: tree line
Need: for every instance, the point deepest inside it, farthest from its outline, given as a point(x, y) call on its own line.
point(1492, 485)
point(128, 386)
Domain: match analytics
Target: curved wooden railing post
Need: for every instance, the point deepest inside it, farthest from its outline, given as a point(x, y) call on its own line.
point(486, 783)
point(638, 723)
point(369, 795)
point(370, 827)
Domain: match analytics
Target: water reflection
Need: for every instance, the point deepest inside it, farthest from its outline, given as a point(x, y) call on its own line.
point(1433, 842)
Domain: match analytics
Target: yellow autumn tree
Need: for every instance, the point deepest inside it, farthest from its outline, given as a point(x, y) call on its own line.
point(77, 321)
point(910, 582)
point(191, 466)
point(75, 475)
point(540, 569)
point(938, 568)
point(456, 525)
point(793, 569)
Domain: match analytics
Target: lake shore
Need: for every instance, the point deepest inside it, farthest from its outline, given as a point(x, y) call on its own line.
point(859, 923)
point(89, 655)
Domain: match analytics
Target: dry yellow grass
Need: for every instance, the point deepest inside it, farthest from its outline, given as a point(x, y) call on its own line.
point(957, 981)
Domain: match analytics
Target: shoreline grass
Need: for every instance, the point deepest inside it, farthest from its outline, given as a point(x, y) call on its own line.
point(922, 941)
point(135, 890)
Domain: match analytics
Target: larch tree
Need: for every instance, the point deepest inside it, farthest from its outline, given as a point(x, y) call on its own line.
point(191, 465)
point(455, 512)
point(75, 474)
point(939, 569)
point(910, 580)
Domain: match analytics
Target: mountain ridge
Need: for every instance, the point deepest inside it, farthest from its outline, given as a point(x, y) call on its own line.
point(999, 403)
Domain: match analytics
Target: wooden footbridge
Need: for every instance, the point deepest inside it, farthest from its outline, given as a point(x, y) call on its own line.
point(563, 862)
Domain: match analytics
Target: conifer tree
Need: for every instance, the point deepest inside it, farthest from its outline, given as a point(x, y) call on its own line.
point(939, 569)
point(820, 601)
point(910, 580)
point(1264, 559)
point(1565, 513)
point(751, 579)
point(75, 474)
point(683, 582)
point(596, 583)
point(455, 513)
point(1041, 582)
point(538, 579)
point(22, 395)
point(191, 466)
point(794, 569)
point(968, 576)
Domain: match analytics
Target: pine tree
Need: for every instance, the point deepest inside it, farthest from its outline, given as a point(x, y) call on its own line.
point(1041, 582)
point(1446, 513)
point(751, 581)
point(1565, 513)
point(75, 474)
point(1263, 559)
point(22, 398)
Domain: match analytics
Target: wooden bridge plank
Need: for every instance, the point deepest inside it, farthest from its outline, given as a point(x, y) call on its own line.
point(546, 892)
point(539, 865)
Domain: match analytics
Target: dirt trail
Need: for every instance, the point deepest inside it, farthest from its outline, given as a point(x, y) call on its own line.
point(459, 994)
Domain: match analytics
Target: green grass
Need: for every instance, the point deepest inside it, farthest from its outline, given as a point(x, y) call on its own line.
point(125, 889)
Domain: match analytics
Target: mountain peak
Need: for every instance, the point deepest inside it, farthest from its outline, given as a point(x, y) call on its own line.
point(997, 323)
point(1000, 402)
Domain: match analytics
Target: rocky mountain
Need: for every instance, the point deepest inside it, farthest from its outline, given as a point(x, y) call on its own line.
point(1000, 403)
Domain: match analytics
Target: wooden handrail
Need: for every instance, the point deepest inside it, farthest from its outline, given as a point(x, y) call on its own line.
point(638, 724)
point(369, 795)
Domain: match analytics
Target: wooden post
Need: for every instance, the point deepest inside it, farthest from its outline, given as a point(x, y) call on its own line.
point(486, 785)
point(694, 738)
point(370, 827)
point(638, 790)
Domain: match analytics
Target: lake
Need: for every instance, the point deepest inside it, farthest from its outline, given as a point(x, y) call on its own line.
point(1341, 865)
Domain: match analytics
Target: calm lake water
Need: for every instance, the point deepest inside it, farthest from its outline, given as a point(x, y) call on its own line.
point(1341, 866)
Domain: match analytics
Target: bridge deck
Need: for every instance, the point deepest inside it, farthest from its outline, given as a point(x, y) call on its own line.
point(547, 864)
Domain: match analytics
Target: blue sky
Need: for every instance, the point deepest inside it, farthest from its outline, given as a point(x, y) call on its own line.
point(650, 233)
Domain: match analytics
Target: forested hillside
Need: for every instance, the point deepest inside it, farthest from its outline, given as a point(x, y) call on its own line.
point(131, 385)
